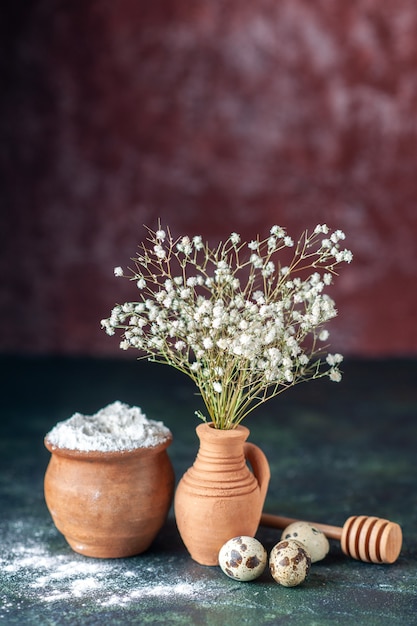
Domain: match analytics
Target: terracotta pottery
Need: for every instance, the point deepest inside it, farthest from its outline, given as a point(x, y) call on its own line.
point(219, 498)
point(109, 504)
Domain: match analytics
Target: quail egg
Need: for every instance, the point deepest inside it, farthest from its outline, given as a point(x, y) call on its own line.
point(313, 539)
point(289, 563)
point(243, 558)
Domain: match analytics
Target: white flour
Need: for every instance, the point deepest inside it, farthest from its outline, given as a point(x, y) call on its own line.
point(32, 572)
point(115, 427)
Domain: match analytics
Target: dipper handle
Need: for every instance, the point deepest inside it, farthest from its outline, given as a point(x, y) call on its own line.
point(369, 539)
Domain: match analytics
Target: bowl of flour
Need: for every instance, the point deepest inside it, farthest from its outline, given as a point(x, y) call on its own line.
point(109, 483)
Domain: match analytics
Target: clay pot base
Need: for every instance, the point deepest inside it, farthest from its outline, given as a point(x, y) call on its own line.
point(109, 504)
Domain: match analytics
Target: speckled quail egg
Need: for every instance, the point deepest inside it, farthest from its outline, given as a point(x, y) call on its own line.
point(243, 558)
point(289, 563)
point(313, 539)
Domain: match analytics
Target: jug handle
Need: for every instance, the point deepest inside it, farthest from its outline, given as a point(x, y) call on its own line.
point(260, 466)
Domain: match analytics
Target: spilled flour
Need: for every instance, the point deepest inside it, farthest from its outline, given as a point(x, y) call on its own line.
point(116, 427)
point(34, 573)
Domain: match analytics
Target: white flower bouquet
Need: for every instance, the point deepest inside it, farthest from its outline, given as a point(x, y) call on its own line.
point(244, 321)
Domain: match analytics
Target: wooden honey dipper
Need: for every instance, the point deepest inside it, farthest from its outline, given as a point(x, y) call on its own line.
point(369, 539)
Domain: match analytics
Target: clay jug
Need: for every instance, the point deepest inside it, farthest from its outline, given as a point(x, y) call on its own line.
point(219, 498)
point(109, 504)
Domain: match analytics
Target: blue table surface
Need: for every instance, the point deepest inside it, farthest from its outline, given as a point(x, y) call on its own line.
point(335, 450)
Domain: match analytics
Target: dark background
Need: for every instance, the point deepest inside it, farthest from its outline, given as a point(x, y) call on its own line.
point(217, 117)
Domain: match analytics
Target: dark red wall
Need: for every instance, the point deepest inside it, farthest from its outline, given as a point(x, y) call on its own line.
point(215, 116)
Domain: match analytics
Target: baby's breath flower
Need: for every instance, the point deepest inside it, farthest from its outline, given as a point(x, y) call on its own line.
point(184, 294)
point(207, 343)
point(289, 376)
point(334, 359)
point(268, 270)
point(256, 261)
point(241, 325)
point(345, 256)
point(159, 251)
point(337, 236)
point(259, 297)
point(277, 231)
point(185, 246)
point(107, 326)
point(217, 386)
point(272, 243)
point(335, 375)
point(198, 242)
